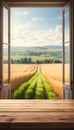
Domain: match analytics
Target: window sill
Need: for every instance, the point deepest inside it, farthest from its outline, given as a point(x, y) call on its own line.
point(37, 113)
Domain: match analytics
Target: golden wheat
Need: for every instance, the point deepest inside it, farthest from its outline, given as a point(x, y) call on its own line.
point(19, 74)
point(53, 73)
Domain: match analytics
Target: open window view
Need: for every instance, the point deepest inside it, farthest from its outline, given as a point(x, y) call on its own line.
point(36, 52)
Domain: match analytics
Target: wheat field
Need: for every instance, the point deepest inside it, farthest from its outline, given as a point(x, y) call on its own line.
point(23, 72)
point(53, 73)
point(19, 74)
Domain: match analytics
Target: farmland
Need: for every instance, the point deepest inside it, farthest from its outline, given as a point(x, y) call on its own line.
point(36, 88)
point(36, 81)
point(34, 55)
point(39, 62)
point(19, 74)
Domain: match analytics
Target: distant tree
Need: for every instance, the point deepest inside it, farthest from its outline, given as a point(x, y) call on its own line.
point(57, 61)
point(25, 60)
point(18, 61)
point(30, 60)
point(22, 60)
point(46, 61)
point(50, 61)
point(38, 62)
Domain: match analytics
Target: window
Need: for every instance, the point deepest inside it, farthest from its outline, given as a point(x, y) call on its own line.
point(67, 46)
point(66, 63)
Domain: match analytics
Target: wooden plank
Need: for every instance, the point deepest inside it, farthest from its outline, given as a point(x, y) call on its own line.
point(35, 110)
point(59, 102)
point(36, 3)
point(36, 113)
point(32, 103)
point(40, 118)
point(36, 117)
point(45, 103)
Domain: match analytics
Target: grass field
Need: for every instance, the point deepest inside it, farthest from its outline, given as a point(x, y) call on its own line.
point(34, 58)
point(24, 72)
point(35, 53)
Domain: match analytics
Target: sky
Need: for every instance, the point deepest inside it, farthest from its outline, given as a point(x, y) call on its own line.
point(36, 26)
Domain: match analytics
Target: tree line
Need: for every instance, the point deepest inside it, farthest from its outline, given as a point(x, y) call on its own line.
point(29, 61)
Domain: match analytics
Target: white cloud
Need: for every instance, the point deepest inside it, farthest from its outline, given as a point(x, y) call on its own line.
point(35, 19)
point(22, 13)
point(21, 36)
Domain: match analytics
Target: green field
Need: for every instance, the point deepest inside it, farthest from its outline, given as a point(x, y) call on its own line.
point(35, 88)
point(34, 54)
point(34, 58)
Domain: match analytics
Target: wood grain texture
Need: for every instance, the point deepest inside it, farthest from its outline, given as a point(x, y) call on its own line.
point(37, 113)
point(36, 3)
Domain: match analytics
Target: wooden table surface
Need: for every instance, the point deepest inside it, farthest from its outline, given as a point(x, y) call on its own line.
point(37, 113)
